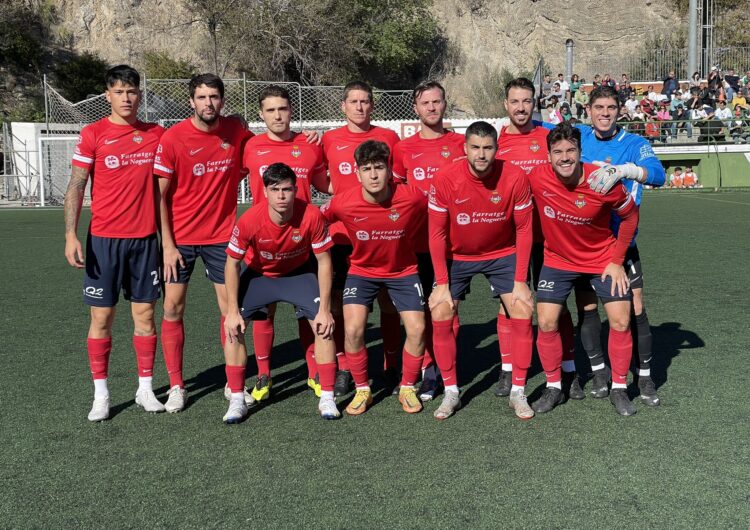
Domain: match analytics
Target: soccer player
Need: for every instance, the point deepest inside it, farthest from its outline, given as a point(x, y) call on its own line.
point(381, 219)
point(275, 238)
point(626, 158)
point(523, 143)
point(122, 250)
point(581, 250)
point(338, 151)
point(281, 144)
point(199, 164)
point(416, 159)
point(480, 213)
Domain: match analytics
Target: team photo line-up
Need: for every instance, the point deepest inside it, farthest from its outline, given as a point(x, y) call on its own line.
point(409, 224)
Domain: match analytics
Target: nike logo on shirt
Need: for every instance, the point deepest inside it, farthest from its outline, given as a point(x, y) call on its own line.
point(108, 142)
point(341, 147)
point(461, 201)
point(194, 152)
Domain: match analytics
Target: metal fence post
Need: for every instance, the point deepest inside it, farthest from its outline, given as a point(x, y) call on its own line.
point(145, 97)
point(244, 95)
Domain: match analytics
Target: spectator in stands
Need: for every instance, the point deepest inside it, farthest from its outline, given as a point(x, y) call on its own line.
point(608, 81)
point(695, 80)
point(624, 93)
point(690, 179)
point(724, 114)
point(564, 87)
point(705, 95)
point(745, 79)
point(546, 86)
point(670, 85)
point(565, 112)
point(647, 106)
point(555, 96)
point(663, 115)
point(624, 116)
point(731, 84)
point(575, 86)
point(654, 96)
point(739, 99)
point(581, 99)
point(553, 114)
point(710, 127)
point(715, 88)
point(652, 129)
point(740, 126)
point(685, 93)
point(681, 122)
point(597, 81)
point(631, 103)
point(675, 178)
point(624, 79)
point(638, 113)
point(746, 90)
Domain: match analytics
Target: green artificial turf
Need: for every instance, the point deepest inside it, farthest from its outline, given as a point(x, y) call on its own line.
point(685, 464)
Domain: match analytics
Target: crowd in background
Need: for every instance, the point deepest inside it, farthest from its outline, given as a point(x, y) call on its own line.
point(715, 108)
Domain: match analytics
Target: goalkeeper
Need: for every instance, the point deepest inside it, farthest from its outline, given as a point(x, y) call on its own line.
point(628, 158)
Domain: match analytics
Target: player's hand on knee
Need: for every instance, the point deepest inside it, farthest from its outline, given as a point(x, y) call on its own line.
point(234, 326)
point(324, 324)
point(522, 294)
point(172, 259)
point(74, 252)
point(620, 281)
point(440, 294)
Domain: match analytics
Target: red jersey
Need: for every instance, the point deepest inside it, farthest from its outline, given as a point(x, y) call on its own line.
point(525, 151)
point(382, 234)
point(278, 250)
point(338, 152)
point(305, 159)
point(576, 222)
point(480, 219)
point(205, 170)
point(120, 160)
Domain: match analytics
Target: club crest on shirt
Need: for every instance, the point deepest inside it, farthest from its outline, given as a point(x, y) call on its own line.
point(394, 215)
point(296, 236)
point(580, 201)
point(495, 197)
point(296, 151)
point(445, 152)
point(225, 143)
point(534, 146)
point(137, 138)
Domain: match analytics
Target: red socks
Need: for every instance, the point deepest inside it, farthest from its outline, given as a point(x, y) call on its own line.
point(338, 338)
point(235, 378)
point(145, 353)
point(411, 368)
point(522, 341)
point(428, 359)
point(549, 345)
point(390, 330)
point(99, 350)
point(620, 346)
point(567, 336)
point(445, 350)
point(504, 339)
point(263, 342)
point(358, 366)
point(327, 372)
point(172, 343)
point(307, 342)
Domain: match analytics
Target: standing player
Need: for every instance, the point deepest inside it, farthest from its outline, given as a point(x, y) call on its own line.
point(523, 143)
point(122, 251)
point(630, 159)
point(199, 164)
point(381, 220)
point(416, 159)
point(580, 250)
point(275, 238)
point(338, 151)
point(480, 214)
point(281, 144)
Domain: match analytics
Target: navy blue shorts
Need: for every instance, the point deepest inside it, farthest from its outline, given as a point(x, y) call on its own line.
point(214, 258)
point(555, 286)
point(299, 288)
point(633, 267)
point(426, 273)
point(406, 292)
point(499, 272)
point(128, 264)
point(340, 264)
point(536, 262)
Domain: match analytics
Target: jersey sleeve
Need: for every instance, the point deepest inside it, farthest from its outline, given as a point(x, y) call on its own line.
point(438, 226)
point(624, 206)
point(165, 160)
point(85, 152)
point(320, 239)
point(240, 240)
point(644, 157)
point(522, 216)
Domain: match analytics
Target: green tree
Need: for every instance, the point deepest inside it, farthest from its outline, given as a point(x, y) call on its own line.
point(160, 65)
point(20, 37)
point(81, 76)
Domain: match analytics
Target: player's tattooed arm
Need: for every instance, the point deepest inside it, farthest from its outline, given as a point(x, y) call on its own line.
point(72, 206)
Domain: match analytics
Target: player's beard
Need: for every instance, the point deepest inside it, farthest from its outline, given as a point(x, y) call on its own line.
point(208, 121)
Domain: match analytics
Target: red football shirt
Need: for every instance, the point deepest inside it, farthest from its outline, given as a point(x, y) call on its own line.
point(120, 160)
point(525, 151)
point(274, 250)
point(205, 169)
point(577, 233)
point(338, 153)
point(382, 234)
point(416, 160)
point(305, 159)
point(480, 220)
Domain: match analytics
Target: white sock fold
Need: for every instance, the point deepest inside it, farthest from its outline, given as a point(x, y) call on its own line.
point(507, 367)
point(144, 383)
point(451, 388)
point(100, 388)
point(557, 385)
point(597, 367)
point(619, 385)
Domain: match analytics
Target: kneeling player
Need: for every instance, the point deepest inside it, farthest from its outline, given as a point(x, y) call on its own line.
point(580, 249)
point(275, 239)
point(382, 220)
point(480, 213)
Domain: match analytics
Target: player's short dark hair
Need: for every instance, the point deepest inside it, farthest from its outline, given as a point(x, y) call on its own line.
point(604, 91)
point(357, 85)
point(564, 131)
point(127, 75)
point(424, 86)
point(274, 91)
point(520, 82)
point(210, 80)
point(677, 168)
point(372, 151)
point(278, 172)
point(481, 129)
